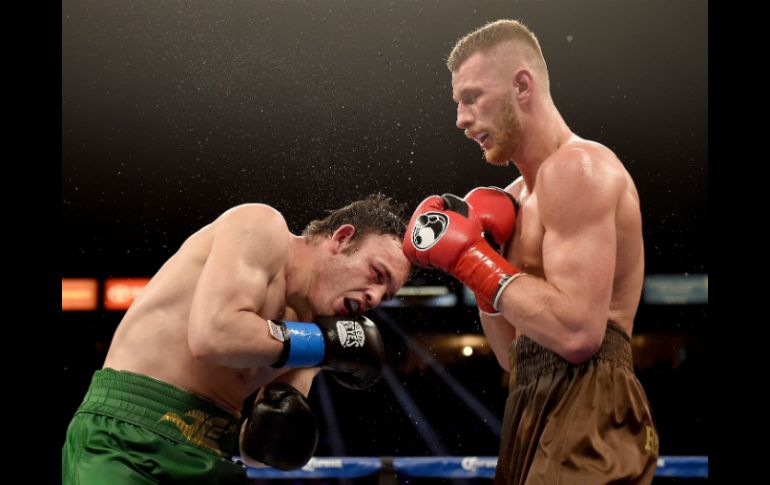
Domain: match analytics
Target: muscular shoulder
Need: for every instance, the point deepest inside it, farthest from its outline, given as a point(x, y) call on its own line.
point(256, 214)
point(258, 228)
point(581, 173)
point(582, 164)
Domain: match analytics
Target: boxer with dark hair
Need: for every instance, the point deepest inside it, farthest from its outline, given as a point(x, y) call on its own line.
point(243, 305)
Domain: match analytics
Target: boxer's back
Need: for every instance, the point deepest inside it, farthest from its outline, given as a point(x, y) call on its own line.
point(152, 337)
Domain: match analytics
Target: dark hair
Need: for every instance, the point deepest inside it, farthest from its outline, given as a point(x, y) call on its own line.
point(376, 214)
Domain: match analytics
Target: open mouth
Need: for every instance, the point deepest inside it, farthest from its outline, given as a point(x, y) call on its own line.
point(352, 306)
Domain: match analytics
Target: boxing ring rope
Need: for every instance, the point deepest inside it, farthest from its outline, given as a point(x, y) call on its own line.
point(444, 467)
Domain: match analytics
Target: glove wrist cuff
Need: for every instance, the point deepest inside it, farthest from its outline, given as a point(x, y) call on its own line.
point(484, 271)
point(504, 282)
point(303, 343)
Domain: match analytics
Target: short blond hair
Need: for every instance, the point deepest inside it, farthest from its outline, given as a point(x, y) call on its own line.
point(493, 34)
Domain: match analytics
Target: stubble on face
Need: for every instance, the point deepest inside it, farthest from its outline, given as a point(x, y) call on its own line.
point(507, 134)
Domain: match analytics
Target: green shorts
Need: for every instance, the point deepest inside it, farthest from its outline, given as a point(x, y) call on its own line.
point(132, 428)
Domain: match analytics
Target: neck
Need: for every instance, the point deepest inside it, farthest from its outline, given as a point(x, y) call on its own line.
point(543, 135)
point(299, 275)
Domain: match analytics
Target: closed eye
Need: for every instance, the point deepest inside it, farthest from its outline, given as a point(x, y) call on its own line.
point(470, 97)
point(383, 278)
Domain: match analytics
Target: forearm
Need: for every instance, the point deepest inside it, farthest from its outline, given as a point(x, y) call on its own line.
point(551, 318)
point(301, 379)
point(500, 336)
point(237, 340)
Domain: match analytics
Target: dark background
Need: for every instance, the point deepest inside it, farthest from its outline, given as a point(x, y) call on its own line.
point(175, 111)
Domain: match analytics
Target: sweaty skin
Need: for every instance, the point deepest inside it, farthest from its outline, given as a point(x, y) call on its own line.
point(200, 324)
point(578, 232)
point(575, 411)
point(612, 249)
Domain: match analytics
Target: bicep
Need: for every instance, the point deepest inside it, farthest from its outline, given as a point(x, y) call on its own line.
point(579, 246)
point(580, 262)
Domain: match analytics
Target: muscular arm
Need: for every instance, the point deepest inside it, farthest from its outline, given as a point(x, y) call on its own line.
point(567, 311)
point(249, 248)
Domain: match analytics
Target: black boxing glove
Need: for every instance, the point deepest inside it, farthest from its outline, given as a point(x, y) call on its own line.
point(281, 430)
point(350, 348)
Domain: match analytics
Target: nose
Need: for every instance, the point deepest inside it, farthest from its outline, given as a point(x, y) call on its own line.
point(374, 297)
point(464, 117)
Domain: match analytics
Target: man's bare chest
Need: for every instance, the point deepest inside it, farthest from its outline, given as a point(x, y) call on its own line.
point(525, 248)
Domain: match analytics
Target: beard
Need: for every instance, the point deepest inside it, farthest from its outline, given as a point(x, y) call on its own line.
point(507, 138)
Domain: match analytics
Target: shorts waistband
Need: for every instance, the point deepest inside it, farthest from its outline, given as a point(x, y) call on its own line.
point(163, 408)
point(530, 359)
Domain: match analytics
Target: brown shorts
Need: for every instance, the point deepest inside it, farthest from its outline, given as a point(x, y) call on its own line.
point(576, 424)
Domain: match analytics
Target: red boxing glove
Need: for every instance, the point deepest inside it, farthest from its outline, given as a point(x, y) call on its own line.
point(445, 233)
point(496, 210)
